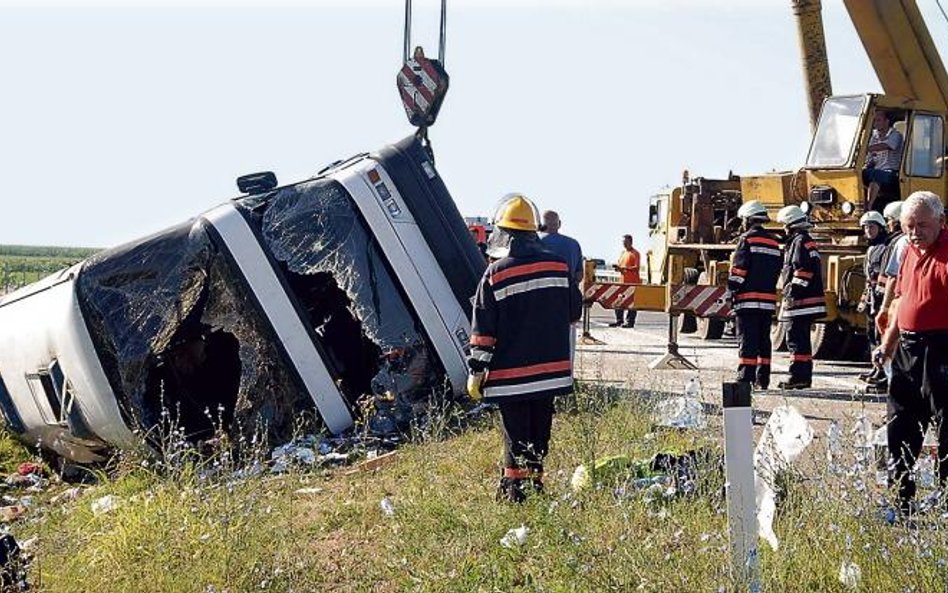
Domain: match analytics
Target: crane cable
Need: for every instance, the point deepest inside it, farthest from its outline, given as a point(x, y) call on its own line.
point(943, 13)
point(406, 51)
point(423, 82)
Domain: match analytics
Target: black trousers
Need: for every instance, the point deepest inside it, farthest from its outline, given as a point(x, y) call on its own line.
point(755, 348)
point(872, 334)
point(629, 315)
point(918, 393)
point(801, 349)
point(872, 309)
point(526, 429)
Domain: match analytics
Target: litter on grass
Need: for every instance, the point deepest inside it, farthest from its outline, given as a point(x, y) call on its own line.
point(785, 436)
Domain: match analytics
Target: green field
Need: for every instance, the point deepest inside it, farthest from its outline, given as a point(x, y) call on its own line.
point(23, 264)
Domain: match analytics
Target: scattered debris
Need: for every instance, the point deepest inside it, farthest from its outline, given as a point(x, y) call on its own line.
point(13, 564)
point(26, 468)
point(105, 504)
point(580, 479)
point(374, 463)
point(681, 412)
point(693, 388)
point(308, 491)
point(68, 495)
point(665, 475)
point(11, 513)
point(785, 436)
point(388, 509)
point(850, 574)
point(515, 537)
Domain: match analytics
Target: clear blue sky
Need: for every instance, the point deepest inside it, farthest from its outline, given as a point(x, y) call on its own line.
point(119, 119)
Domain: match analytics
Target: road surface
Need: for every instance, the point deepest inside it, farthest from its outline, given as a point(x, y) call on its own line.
point(620, 356)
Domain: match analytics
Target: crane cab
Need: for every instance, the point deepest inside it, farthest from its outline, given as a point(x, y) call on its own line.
point(839, 151)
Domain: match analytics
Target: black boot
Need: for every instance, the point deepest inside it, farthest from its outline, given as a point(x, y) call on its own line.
point(511, 490)
point(794, 383)
point(538, 485)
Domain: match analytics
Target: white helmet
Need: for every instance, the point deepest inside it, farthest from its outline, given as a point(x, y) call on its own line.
point(752, 209)
point(872, 216)
point(893, 210)
point(791, 216)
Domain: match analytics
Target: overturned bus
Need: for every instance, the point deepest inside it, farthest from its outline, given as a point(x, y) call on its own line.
point(351, 286)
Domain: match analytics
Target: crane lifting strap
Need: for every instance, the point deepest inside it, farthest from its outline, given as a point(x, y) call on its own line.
point(422, 81)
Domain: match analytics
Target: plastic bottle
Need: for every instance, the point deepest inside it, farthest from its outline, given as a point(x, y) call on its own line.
point(925, 468)
point(862, 440)
point(834, 445)
point(693, 388)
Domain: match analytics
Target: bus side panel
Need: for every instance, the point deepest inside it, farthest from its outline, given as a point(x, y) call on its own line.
point(441, 224)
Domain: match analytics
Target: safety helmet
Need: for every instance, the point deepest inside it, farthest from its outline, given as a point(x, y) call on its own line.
point(893, 210)
point(872, 216)
point(515, 212)
point(752, 209)
point(792, 216)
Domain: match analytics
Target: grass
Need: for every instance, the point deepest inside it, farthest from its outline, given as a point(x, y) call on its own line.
point(186, 532)
point(22, 264)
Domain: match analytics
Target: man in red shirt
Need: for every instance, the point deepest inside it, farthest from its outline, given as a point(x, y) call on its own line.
point(628, 266)
point(916, 342)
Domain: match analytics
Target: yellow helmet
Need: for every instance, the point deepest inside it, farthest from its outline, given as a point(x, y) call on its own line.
point(516, 212)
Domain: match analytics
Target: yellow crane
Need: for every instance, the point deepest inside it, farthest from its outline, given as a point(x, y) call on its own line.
point(694, 226)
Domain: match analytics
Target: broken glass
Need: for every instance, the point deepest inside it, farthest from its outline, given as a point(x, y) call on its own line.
point(369, 336)
point(178, 333)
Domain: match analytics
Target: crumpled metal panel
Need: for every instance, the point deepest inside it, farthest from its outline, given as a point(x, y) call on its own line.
point(314, 231)
point(142, 301)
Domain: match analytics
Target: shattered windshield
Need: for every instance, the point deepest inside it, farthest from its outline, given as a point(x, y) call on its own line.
point(181, 339)
point(836, 132)
point(357, 311)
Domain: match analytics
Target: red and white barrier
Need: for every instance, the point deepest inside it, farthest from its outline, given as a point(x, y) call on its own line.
point(703, 301)
point(610, 295)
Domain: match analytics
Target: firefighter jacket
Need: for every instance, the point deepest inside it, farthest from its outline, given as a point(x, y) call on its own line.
point(887, 253)
point(802, 279)
point(523, 309)
point(872, 269)
point(754, 271)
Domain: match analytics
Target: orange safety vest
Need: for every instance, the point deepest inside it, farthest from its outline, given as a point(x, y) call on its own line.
point(630, 259)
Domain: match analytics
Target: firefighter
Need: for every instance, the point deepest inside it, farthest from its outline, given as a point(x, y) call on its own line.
point(891, 263)
point(753, 285)
point(520, 356)
point(803, 300)
point(874, 227)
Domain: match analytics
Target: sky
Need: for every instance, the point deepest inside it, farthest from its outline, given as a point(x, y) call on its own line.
point(118, 119)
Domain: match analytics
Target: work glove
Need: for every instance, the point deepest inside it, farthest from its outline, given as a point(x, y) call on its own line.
point(474, 381)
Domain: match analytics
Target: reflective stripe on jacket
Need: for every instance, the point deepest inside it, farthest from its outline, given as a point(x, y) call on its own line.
point(755, 267)
point(523, 309)
point(802, 279)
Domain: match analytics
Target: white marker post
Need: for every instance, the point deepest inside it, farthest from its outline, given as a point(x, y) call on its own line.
point(741, 496)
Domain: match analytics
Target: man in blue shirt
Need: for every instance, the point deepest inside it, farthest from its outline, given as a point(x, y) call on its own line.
point(563, 246)
point(567, 248)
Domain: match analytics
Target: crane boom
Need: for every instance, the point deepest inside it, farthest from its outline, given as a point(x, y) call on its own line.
point(901, 49)
point(816, 74)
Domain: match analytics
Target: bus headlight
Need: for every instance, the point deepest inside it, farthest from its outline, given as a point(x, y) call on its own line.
point(847, 208)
